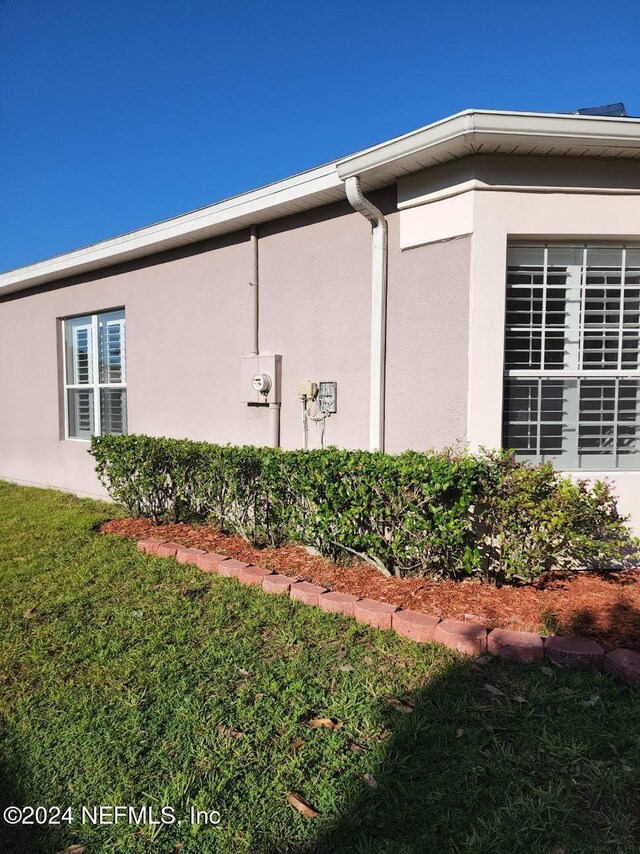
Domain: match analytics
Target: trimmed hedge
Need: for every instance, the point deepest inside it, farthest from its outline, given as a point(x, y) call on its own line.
point(436, 514)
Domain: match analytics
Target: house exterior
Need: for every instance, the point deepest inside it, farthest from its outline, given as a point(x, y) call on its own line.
point(476, 281)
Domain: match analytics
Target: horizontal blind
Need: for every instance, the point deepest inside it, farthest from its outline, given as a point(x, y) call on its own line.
point(79, 351)
point(80, 408)
point(113, 410)
point(111, 347)
point(572, 314)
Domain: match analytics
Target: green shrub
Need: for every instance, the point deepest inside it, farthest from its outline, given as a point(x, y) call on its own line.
point(532, 519)
point(437, 514)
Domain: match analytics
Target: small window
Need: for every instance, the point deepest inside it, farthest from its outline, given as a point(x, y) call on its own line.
point(572, 347)
point(95, 384)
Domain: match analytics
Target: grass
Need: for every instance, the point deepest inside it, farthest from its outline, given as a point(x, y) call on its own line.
point(130, 680)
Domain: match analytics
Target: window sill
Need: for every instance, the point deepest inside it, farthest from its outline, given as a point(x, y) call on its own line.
point(600, 472)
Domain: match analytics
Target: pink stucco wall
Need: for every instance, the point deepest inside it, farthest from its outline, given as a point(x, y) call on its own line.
point(188, 324)
point(427, 344)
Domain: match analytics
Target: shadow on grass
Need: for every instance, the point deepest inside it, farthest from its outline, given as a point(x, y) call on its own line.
point(501, 758)
point(18, 839)
point(485, 757)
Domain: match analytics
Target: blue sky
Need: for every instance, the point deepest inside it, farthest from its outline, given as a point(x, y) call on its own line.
point(118, 113)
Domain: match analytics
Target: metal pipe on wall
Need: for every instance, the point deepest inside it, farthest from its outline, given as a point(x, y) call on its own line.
point(274, 408)
point(379, 243)
point(254, 283)
point(274, 425)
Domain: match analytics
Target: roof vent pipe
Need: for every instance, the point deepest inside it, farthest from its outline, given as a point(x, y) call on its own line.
point(379, 241)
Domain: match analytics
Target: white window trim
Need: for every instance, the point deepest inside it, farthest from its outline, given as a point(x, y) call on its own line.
point(95, 367)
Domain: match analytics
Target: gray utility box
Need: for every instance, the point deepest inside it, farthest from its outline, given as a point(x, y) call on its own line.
point(328, 397)
point(253, 366)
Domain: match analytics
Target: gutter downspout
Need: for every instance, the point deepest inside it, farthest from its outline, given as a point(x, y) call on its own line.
point(379, 244)
point(274, 408)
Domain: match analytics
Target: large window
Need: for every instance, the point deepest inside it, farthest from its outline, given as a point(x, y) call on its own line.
point(572, 384)
point(95, 375)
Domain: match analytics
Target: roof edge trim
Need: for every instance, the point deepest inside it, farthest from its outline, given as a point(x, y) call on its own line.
point(455, 136)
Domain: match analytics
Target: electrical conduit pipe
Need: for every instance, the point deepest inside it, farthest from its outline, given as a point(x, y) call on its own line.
point(274, 408)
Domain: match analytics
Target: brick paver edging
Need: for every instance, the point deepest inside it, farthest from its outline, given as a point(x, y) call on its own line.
point(467, 637)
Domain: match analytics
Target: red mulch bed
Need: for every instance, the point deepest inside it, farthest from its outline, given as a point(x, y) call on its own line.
point(587, 604)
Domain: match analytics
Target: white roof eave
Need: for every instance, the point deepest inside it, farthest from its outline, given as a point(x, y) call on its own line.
point(313, 188)
point(467, 132)
point(457, 136)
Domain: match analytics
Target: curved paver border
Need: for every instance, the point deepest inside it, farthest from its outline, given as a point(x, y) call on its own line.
point(467, 637)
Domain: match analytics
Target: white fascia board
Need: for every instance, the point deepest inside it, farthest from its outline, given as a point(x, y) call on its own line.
point(467, 131)
point(455, 136)
point(197, 225)
point(602, 131)
point(419, 140)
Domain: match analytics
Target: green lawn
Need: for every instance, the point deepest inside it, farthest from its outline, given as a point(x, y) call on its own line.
point(127, 680)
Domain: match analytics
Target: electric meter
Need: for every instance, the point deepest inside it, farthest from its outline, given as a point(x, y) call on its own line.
point(261, 383)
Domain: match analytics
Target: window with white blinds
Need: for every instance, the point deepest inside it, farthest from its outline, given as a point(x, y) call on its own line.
point(95, 375)
point(572, 344)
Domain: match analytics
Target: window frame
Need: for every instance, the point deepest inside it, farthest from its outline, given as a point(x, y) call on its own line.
point(577, 374)
point(95, 386)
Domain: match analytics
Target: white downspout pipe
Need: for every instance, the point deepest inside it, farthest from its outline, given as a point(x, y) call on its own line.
point(379, 242)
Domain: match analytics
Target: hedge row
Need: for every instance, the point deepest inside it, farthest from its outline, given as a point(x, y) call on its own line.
point(433, 514)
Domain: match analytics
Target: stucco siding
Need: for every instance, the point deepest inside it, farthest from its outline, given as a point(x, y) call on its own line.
point(188, 317)
point(182, 349)
point(315, 307)
point(427, 345)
